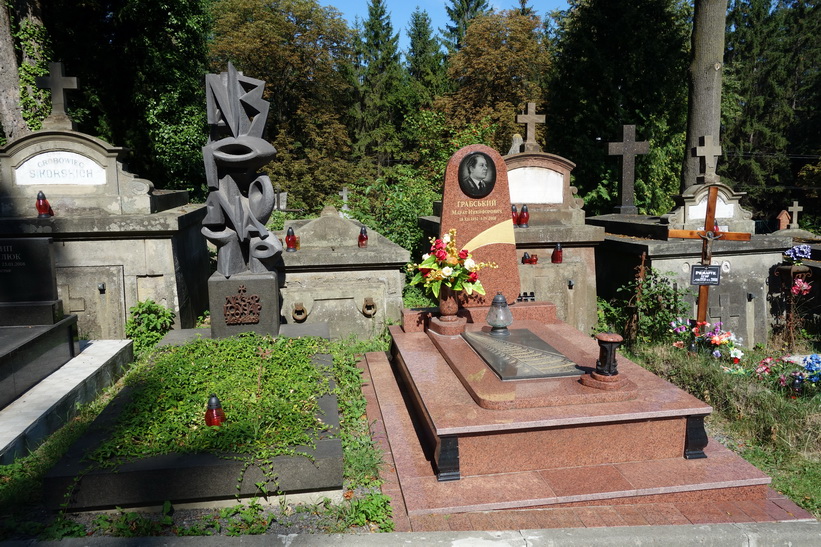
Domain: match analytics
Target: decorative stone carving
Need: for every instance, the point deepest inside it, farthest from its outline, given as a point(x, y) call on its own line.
point(240, 199)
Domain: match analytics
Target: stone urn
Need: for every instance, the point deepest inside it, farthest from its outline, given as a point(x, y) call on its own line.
point(448, 303)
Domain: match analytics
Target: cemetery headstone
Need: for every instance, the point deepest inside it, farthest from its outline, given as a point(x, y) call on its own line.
point(476, 202)
point(628, 149)
point(36, 338)
point(118, 240)
point(355, 289)
point(243, 292)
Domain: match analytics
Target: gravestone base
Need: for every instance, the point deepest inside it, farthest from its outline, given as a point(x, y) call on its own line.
point(29, 354)
point(465, 440)
point(242, 293)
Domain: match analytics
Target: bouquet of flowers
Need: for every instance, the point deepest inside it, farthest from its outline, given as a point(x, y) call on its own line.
point(698, 336)
point(797, 253)
point(447, 265)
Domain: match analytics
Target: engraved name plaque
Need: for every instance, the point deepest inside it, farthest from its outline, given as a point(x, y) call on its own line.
point(522, 355)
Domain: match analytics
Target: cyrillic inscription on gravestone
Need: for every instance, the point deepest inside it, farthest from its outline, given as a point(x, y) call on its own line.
point(476, 202)
point(27, 270)
point(705, 275)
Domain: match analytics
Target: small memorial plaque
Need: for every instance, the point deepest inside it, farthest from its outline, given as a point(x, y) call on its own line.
point(522, 355)
point(705, 275)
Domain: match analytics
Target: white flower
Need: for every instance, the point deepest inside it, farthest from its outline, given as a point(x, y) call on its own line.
point(446, 238)
point(736, 353)
point(425, 256)
point(470, 263)
point(447, 271)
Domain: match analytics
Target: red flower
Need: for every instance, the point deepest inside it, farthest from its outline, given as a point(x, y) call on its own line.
point(463, 254)
point(424, 271)
point(473, 277)
point(441, 254)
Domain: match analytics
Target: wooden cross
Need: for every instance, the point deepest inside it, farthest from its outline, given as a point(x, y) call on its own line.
point(795, 209)
point(530, 119)
point(707, 151)
point(708, 235)
point(628, 149)
point(57, 82)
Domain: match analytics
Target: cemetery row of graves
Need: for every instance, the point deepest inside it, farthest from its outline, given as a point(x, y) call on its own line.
point(313, 358)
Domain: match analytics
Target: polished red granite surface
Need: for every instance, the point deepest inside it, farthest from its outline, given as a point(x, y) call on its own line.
point(721, 488)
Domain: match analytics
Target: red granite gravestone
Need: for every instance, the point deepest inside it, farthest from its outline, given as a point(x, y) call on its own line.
point(476, 202)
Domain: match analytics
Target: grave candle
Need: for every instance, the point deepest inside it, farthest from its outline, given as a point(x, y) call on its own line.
point(290, 241)
point(524, 217)
point(556, 257)
point(363, 237)
point(515, 214)
point(214, 415)
point(43, 207)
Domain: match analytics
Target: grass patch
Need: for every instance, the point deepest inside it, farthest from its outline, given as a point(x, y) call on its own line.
point(776, 432)
point(269, 390)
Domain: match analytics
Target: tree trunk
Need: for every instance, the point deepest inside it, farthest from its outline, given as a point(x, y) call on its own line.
point(704, 107)
point(11, 114)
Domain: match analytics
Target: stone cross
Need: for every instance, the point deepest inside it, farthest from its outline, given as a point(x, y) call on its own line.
point(530, 119)
point(344, 195)
point(795, 209)
point(708, 235)
point(708, 151)
point(58, 83)
point(628, 150)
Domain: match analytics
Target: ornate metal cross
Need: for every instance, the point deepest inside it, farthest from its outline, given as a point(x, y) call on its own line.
point(530, 119)
point(628, 149)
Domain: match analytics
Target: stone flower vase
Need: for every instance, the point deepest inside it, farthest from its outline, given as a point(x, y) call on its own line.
point(448, 304)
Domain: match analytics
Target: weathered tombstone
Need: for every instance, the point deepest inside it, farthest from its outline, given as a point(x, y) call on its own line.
point(628, 149)
point(244, 291)
point(783, 219)
point(118, 240)
point(742, 297)
point(542, 182)
point(355, 289)
point(36, 338)
point(476, 202)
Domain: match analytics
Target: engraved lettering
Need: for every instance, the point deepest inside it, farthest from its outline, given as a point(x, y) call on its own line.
point(242, 309)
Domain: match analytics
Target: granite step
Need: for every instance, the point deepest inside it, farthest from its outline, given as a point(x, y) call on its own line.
point(31, 418)
point(716, 487)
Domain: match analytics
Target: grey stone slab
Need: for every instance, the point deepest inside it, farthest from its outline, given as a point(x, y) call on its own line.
point(29, 354)
point(29, 420)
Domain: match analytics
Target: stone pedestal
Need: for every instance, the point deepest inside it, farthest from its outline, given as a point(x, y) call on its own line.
point(247, 302)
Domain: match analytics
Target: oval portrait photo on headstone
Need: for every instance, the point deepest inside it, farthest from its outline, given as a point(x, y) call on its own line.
point(477, 175)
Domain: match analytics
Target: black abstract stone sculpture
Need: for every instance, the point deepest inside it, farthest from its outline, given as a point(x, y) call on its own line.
point(240, 200)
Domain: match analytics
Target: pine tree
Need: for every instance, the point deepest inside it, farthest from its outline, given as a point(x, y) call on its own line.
point(461, 13)
point(759, 110)
point(380, 76)
point(620, 62)
point(425, 62)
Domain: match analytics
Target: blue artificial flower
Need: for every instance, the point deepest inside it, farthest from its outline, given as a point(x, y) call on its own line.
point(799, 252)
point(812, 363)
point(716, 354)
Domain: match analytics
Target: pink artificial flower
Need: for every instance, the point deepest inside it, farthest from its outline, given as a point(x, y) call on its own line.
point(800, 287)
